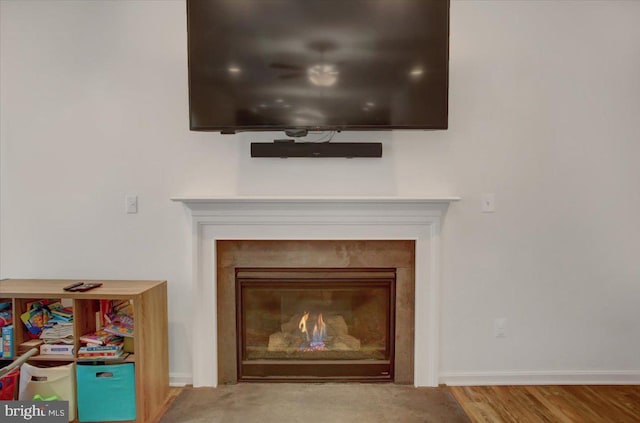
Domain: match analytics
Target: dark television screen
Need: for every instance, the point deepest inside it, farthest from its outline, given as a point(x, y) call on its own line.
point(257, 65)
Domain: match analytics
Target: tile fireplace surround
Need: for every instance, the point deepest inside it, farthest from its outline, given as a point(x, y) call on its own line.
point(382, 218)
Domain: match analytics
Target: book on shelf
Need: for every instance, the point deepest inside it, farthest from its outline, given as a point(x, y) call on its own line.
point(100, 352)
point(62, 314)
point(57, 333)
point(119, 357)
point(116, 317)
point(120, 329)
point(38, 315)
point(35, 319)
point(6, 315)
point(101, 337)
point(7, 341)
point(113, 354)
point(98, 348)
point(56, 349)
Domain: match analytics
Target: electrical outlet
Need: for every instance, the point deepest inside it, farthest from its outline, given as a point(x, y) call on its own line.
point(131, 204)
point(500, 327)
point(488, 203)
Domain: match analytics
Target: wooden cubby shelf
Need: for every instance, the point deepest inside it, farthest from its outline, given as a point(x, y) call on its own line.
point(150, 340)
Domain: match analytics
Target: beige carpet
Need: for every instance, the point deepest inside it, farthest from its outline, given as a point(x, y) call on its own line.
point(310, 403)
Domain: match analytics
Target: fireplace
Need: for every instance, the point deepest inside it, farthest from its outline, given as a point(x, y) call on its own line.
point(265, 288)
point(216, 220)
point(310, 324)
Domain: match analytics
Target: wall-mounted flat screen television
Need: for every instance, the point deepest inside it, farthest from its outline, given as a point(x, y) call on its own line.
point(273, 65)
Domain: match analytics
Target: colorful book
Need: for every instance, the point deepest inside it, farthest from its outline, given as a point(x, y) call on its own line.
point(99, 348)
point(7, 341)
point(119, 357)
point(120, 330)
point(35, 320)
point(37, 315)
point(101, 337)
point(121, 325)
point(99, 356)
point(83, 353)
point(6, 318)
point(63, 314)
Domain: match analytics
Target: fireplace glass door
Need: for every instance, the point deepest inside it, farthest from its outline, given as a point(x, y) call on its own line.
point(309, 324)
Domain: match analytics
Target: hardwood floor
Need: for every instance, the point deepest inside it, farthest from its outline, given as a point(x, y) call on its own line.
point(556, 404)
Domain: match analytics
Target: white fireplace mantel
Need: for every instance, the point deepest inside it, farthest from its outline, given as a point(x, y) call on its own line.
point(316, 218)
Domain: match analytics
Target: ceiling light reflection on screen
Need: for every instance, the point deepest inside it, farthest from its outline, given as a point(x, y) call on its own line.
point(416, 73)
point(324, 75)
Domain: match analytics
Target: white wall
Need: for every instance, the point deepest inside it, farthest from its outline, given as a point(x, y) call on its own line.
point(543, 106)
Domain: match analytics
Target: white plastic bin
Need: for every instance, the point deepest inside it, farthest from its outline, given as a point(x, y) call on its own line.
point(47, 382)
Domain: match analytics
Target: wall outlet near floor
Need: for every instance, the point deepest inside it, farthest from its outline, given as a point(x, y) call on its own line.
point(500, 327)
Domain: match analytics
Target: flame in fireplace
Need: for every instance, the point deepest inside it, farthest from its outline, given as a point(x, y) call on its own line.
point(303, 324)
point(315, 341)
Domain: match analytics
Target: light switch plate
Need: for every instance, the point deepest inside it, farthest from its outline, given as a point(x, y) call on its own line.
point(488, 203)
point(131, 204)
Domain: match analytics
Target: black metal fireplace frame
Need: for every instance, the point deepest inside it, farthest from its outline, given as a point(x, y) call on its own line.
point(315, 370)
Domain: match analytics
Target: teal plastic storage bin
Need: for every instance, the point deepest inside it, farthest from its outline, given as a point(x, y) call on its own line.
point(106, 392)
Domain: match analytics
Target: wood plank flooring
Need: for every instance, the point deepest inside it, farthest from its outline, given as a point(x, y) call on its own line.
point(553, 404)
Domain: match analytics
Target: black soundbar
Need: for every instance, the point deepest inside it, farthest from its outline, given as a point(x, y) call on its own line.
point(313, 149)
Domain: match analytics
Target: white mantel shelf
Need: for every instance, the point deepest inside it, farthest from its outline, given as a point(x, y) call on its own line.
point(222, 200)
point(315, 199)
point(307, 207)
point(316, 218)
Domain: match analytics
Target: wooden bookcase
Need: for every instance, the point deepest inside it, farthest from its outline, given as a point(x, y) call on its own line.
point(150, 357)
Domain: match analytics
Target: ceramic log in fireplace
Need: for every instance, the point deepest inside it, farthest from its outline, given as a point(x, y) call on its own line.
point(315, 324)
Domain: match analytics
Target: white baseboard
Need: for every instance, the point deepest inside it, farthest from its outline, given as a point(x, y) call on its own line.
point(554, 377)
point(180, 379)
